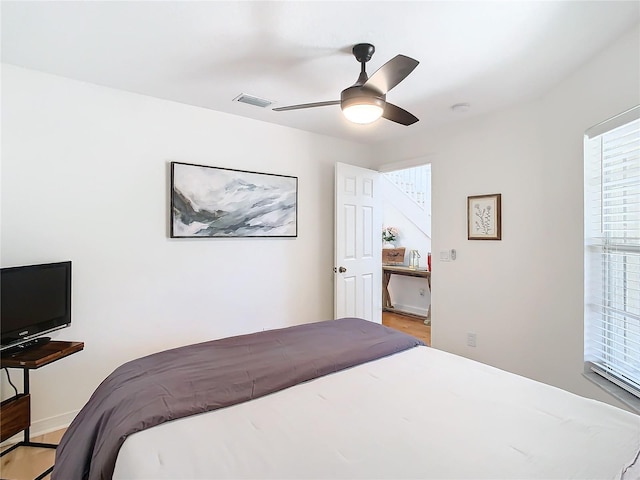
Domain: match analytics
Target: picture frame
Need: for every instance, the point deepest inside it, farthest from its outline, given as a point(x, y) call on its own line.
point(222, 202)
point(484, 217)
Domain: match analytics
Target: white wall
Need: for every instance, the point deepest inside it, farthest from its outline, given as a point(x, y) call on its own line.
point(522, 296)
point(85, 177)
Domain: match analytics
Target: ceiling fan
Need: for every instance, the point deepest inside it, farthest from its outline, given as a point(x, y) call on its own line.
point(365, 101)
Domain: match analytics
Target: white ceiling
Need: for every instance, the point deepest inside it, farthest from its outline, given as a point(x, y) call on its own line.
point(205, 53)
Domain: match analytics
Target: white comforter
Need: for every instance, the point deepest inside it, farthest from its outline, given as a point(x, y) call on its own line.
point(422, 413)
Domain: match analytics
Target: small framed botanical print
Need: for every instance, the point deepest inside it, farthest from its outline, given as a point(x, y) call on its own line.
point(484, 214)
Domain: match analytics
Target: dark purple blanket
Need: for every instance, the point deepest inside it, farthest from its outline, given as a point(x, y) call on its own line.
point(198, 378)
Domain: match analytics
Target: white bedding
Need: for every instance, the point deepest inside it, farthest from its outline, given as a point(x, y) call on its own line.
point(421, 413)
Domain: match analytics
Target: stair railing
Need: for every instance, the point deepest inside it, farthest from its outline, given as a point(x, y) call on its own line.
point(415, 183)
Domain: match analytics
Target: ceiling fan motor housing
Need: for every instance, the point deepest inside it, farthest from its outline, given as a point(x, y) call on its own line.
point(357, 95)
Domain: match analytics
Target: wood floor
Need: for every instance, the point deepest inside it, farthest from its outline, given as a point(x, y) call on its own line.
point(411, 325)
point(26, 463)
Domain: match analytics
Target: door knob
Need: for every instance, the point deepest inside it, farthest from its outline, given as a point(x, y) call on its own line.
point(342, 269)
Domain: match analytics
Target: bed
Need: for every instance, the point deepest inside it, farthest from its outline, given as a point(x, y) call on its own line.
point(338, 399)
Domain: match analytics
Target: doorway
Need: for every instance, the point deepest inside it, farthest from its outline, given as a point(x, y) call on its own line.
point(360, 204)
point(406, 207)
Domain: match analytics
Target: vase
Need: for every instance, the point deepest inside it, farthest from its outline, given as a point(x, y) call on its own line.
point(388, 245)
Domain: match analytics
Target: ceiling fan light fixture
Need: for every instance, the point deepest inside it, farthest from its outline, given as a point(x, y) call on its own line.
point(362, 113)
point(360, 107)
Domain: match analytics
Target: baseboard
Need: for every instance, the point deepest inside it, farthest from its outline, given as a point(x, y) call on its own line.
point(52, 424)
point(410, 309)
point(47, 425)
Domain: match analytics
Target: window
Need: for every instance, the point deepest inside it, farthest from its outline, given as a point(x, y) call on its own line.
point(612, 250)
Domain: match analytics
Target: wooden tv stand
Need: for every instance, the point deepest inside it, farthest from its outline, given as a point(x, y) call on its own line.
point(15, 412)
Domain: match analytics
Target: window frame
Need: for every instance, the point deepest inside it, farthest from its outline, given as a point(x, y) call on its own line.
point(620, 389)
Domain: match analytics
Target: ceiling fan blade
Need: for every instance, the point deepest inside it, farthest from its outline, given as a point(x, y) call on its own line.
point(398, 115)
point(391, 73)
point(306, 105)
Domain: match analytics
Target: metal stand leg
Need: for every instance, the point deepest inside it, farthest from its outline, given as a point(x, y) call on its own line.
point(45, 473)
point(27, 438)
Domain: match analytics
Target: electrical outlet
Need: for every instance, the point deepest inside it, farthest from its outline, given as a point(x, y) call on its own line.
point(471, 339)
point(422, 292)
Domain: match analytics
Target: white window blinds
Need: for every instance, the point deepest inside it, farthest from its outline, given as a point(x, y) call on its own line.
point(612, 250)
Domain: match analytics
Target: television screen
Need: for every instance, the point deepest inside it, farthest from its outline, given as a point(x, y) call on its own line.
point(35, 299)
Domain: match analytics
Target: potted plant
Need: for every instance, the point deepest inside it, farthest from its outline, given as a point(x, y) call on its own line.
point(389, 235)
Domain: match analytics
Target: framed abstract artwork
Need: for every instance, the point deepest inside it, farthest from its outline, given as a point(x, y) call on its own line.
point(221, 202)
point(484, 220)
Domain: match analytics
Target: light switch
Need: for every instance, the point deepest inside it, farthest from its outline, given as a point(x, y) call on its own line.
point(445, 256)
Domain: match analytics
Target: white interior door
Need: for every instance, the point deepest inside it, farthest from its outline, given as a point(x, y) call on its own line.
point(358, 244)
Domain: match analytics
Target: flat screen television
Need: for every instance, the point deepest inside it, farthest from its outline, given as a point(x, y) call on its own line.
point(34, 300)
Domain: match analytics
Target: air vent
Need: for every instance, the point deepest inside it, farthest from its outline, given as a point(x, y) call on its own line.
point(251, 100)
